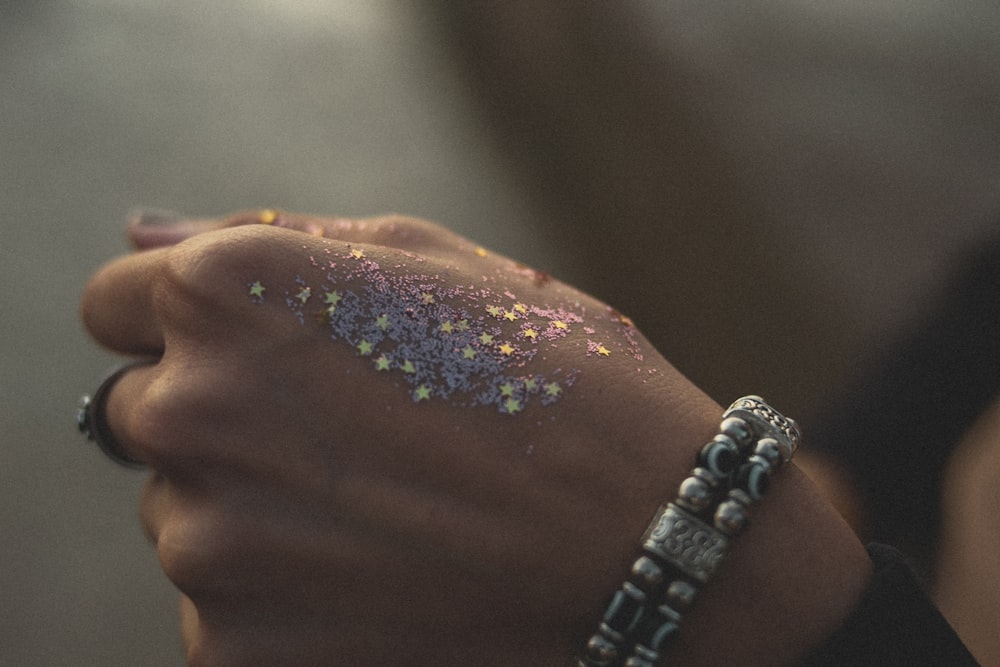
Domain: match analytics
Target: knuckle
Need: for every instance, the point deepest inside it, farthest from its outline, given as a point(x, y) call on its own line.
point(412, 233)
point(204, 272)
point(162, 419)
point(196, 549)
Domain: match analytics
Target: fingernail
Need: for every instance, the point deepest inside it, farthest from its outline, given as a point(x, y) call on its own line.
point(153, 217)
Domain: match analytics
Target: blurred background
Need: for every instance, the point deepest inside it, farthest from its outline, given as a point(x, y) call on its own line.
point(768, 190)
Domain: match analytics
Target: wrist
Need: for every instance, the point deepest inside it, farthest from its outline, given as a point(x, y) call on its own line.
point(788, 582)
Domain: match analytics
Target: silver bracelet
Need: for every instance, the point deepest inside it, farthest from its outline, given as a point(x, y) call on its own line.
point(688, 538)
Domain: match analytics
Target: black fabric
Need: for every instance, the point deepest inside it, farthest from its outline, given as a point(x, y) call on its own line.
point(895, 624)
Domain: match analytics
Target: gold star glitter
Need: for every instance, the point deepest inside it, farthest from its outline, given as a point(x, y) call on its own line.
point(304, 295)
point(408, 367)
point(512, 405)
point(530, 333)
point(267, 216)
point(422, 393)
point(521, 308)
point(530, 384)
point(382, 321)
point(382, 363)
point(506, 389)
point(364, 347)
point(510, 315)
point(257, 290)
point(357, 253)
point(552, 389)
point(333, 298)
point(507, 349)
point(481, 252)
point(426, 298)
point(462, 325)
point(447, 327)
point(485, 338)
point(559, 324)
point(603, 351)
point(495, 311)
point(469, 352)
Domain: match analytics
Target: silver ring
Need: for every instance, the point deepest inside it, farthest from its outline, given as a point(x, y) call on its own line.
point(91, 420)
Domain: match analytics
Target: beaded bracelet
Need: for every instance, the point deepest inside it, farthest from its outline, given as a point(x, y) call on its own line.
point(688, 538)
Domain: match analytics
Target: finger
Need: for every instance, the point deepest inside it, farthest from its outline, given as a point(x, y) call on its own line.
point(154, 228)
point(151, 228)
point(189, 622)
point(117, 307)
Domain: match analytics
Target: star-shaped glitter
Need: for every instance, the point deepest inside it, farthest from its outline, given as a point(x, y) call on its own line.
point(603, 351)
point(333, 298)
point(510, 315)
point(357, 253)
point(495, 311)
point(408, 367)
point(507, 349)
point(530, 333)
point(382, 363)
point(553, 389)
point(507, 389)
point(469, 352)
point(559, 324)
point(447, 327)
point(304, 294)
point(512, 405)
point(382, 322)
point(364, 347)
point(257, 290)
point(426, 298)
point(421, 393)
point(530, 384)
point(485, 338)
point(462, 325)
point(521, 308)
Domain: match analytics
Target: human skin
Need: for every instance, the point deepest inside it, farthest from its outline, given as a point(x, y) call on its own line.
point(967, 586)
point(315, 507)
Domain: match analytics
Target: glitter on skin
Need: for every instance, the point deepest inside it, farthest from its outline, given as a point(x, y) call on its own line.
point(445, 341)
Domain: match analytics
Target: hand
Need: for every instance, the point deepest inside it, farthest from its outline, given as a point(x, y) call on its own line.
point(374, 443)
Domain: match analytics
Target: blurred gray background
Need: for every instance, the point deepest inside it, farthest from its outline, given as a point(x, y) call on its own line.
point(811, 165)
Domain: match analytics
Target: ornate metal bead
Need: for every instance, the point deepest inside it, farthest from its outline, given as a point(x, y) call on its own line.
point(693, 546)
point(767, 422)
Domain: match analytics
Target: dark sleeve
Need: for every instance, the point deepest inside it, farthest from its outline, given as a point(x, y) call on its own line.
point(895, 624)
